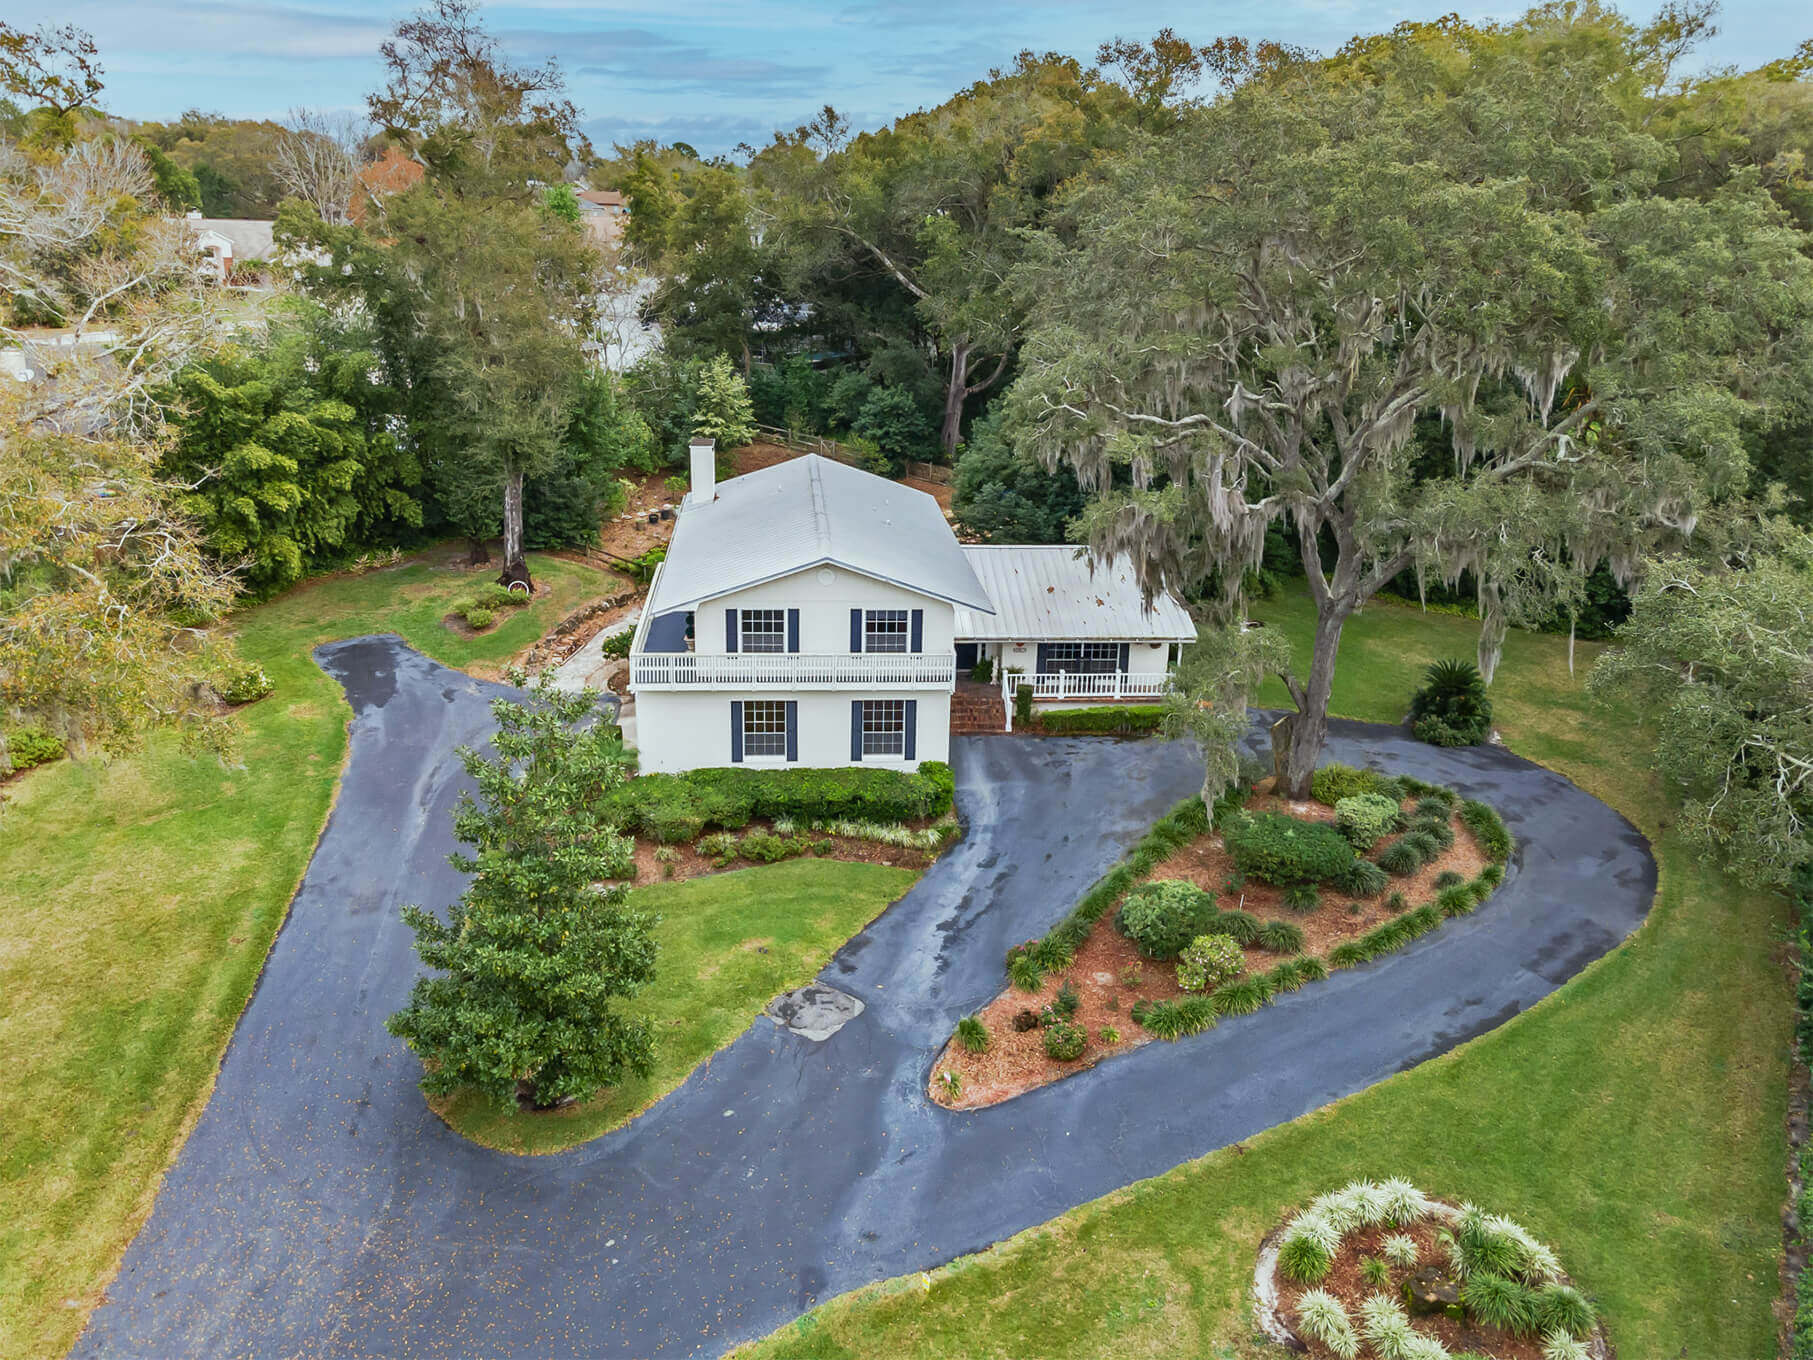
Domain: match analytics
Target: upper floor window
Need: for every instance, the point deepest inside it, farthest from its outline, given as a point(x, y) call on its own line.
point(764, 630)
point(884, 630)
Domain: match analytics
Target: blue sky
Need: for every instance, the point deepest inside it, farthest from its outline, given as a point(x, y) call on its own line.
point(718, 72)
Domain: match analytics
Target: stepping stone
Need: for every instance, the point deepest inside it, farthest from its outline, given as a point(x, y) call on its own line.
point(814, 1012)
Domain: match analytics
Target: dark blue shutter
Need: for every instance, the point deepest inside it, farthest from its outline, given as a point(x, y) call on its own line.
point(792, 729)
point(793, 630)
point(736, 731)
point(856, 729)
point(1044, 658)
point(918, 631)
point(856, 630)
point(1123, 661)
point(730, 630)
point(912, 727)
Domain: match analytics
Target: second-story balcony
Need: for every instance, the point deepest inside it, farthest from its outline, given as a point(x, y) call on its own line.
point(792, 670)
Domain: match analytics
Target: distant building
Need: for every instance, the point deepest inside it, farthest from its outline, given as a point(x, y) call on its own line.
point(603, 212)
point(231, 242)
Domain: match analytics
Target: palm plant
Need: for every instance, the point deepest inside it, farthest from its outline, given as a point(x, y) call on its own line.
point(1451, 708)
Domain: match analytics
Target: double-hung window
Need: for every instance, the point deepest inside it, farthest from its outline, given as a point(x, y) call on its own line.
point(884, 630)
point(884, 727)
point(764, 630)
point(764, 729)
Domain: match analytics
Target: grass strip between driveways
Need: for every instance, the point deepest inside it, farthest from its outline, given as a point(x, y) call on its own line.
point(139, 899)
point(729, 942)
point(1634, 1119)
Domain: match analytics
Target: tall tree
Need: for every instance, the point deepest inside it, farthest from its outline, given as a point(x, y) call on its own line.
point(503, 284)
point(317, 160)
point(1255, 318)
point(532, 960)
point(937, 204)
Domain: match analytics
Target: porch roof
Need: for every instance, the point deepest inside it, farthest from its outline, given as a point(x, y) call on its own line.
point(1044, 594)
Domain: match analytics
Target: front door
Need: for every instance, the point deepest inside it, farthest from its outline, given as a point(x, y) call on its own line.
point(967, 655)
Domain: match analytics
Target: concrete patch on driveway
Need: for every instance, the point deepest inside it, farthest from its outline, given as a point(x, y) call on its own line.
point(814, 1012)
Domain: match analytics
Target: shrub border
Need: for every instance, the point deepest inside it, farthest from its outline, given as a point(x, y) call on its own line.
point(1172, 1019)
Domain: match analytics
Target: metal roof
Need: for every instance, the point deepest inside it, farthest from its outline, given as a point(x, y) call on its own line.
point(1049, 593)
point(808, 512)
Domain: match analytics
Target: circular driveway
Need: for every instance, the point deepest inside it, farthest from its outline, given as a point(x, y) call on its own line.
point(318, 1208)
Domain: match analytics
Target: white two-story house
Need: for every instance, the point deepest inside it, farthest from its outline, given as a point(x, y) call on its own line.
point(813, 614)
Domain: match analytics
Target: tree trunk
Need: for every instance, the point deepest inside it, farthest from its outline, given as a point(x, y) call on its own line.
point(954, 393)
point(477, 554)
point(1308, 728)
point(516, 570)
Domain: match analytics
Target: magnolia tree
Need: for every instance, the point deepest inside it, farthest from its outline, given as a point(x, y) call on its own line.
point(1454, 329)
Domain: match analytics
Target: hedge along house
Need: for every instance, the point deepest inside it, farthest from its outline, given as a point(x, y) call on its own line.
point(1071, 629)
point(808, 614)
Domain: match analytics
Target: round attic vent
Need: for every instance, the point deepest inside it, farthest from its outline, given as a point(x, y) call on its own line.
point(826, 576)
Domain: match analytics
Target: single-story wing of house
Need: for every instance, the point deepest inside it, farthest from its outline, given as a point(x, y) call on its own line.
point(811, 613)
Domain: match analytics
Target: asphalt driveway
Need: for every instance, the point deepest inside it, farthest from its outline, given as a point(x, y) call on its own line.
point(320, 1209)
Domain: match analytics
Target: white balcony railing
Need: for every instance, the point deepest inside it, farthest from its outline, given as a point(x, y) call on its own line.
point(1086, 685)
point(792, 670)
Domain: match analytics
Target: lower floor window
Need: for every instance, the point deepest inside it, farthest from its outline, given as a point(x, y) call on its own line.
point(1089, 657)
point(764, 727)
point(884, 727)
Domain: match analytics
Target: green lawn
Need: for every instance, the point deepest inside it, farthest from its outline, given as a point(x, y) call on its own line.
point(729, 942)
point(1634, 1119)
point(141, 897)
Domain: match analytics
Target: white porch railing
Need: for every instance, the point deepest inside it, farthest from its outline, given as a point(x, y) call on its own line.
point(792, 670)
point(1090, 685)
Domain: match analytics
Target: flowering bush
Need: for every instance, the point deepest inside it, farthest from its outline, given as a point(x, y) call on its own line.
point(1208, 961)
point(246, 683)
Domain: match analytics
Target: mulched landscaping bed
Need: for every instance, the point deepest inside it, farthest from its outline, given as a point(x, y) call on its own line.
point(687, 862)
point(1109, 976)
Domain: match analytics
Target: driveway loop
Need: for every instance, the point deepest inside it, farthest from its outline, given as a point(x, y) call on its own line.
point(814, 1012)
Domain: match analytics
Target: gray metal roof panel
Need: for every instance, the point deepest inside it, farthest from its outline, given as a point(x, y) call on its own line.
point(1042, 593)
point(806, 512)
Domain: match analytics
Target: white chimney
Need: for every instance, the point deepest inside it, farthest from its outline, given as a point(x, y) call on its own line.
point(704, 470)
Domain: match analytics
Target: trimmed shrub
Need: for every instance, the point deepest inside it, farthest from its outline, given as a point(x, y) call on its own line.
point(972, 1034)
point(1243, 996)
point(1023, 705)
point(1280, 937)
point(1366, 817)
point(1560, 1308)
point(1161, 918)
point(1364, 879)
point(248, 683)
point(1064, 1042)
point(1208, 961)
point(1130, 720)
point(1285, 851)
point(27, 747)
point(1494, 1301)
point(730, 798)
point(1451, 707)
point(759, 847)
point(1322, 1319)
point(1400, 859)
point(1335, 781)
point(477, 617)
point(1302, 897)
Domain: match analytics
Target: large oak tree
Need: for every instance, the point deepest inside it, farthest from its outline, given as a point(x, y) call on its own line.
point(1429, 304)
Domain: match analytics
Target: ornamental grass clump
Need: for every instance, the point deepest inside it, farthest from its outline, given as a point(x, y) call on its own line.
point(1207, 962)
point(1562, 1308)
point(1364, 879)
point(1387, 1329)
point(1302, 897)
point(1495, 1301)
point(1561, 1346)
point(1280, 937)
point(1242, 997)
point(1307, 1252)
point(1400, 859)
point(1336, 781)
point(1024, 973)
point(1376, 1272)
point(1169, 1020)
point(1404, 1204)
point(1240, 926)
point(1322, 1319)
point(1401, 1250)
point(972, 1034)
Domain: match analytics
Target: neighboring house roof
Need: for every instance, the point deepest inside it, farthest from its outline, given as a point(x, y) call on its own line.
point(249, 238)
point(808, 512)
point(1046, 593)
point(602, 198)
